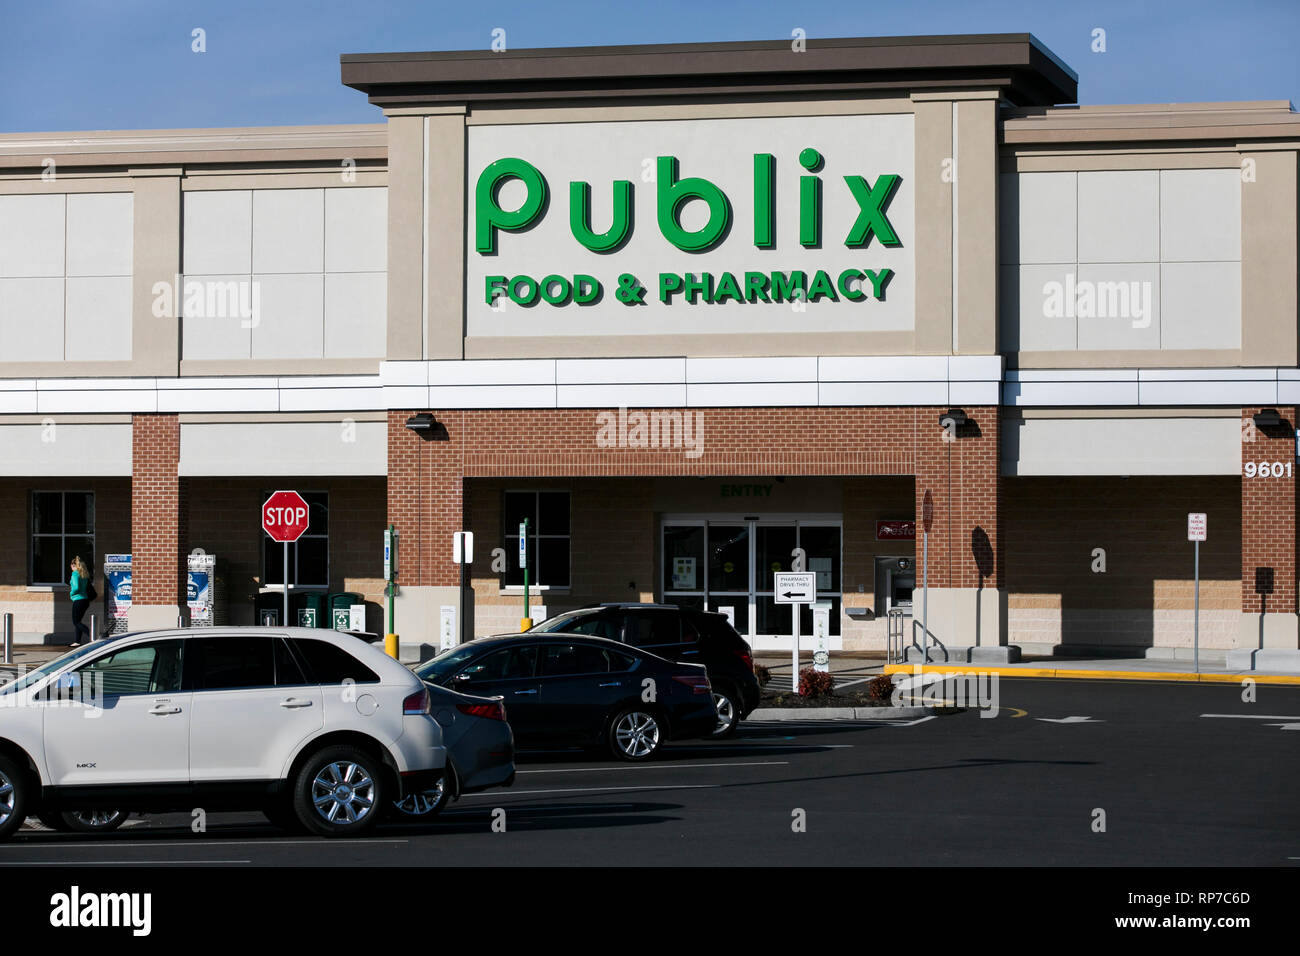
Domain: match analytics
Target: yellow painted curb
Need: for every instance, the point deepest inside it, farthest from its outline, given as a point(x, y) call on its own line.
point(1189, 678)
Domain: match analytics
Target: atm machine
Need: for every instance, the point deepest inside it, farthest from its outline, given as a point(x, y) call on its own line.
point(895, 581)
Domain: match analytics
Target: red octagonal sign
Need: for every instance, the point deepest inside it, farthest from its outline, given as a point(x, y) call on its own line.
point(285, 516)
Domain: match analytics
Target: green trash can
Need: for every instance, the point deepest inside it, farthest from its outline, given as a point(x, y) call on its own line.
point(340, 605)
point(308, 608)
point(268, 608)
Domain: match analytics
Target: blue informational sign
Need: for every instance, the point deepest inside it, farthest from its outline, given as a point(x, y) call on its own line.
point(196, 589)
point(117, 586)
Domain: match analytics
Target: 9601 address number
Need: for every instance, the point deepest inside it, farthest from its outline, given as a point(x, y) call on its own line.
point(1266, 469)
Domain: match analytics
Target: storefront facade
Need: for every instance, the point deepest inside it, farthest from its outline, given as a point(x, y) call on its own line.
point(698, 313)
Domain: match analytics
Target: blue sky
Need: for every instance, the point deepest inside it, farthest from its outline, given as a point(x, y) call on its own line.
point(128, 64)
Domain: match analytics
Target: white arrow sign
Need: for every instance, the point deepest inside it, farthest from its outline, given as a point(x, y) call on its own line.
point(1295, 726)
point(1070, 720)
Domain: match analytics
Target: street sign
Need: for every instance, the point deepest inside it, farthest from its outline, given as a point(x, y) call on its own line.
point(1196, 526)
point(523, 545)
point(462, 547)
point(285, 516)
point(795, 587)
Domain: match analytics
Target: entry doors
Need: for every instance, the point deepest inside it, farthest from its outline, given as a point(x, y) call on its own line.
point(714, 563)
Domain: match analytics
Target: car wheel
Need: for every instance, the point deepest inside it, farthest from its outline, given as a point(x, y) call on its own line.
point(13, 797)
point(635, 735)
point(338, 792)
point(426, 804)
point(92, 821)
point(728, 705)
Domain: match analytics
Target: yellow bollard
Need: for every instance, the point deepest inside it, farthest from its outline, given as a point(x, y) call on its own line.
point(390, 645)
point(525, 623)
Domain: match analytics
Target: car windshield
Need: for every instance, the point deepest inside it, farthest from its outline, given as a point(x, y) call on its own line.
point(558, 623)
point(49, 667)
point(438, 669)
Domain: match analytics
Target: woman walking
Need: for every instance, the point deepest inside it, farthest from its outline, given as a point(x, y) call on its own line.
point(80, 590)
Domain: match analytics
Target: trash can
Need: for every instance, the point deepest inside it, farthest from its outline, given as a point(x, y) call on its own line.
point(340, 605)
point(308, 608)
point(268, 607)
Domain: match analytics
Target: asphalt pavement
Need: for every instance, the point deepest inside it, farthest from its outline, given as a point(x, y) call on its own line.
point(1068, 773)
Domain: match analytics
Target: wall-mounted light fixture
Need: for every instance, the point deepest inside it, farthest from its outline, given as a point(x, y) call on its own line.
point(955, 415)
point(1267, 418)
point(422, 423)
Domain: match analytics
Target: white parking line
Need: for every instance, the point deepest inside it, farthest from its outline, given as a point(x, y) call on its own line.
point(1252, 716)
point(526, 793)
point(680, 766)
point(118, 862)
point(209, 842)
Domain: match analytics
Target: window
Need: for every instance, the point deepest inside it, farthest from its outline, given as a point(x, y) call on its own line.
point(548, 537)
point(143, 669)
point(332, 665)
point(225, 663)
point(63, 526)
point(652, 628)
point(287, 671)
point(571, 660)
point(309, 556)
point(512, 664)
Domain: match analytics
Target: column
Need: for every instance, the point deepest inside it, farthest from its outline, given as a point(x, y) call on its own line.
point(157, 564)
point(1268, 532)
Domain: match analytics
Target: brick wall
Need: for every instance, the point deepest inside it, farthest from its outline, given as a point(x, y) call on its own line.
point(1268, 504)
point(44, 613)
point(157, 569)
point(425, 489)
point(1051, 527)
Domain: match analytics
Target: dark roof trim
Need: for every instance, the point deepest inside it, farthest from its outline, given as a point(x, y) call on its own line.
point(1017, 64)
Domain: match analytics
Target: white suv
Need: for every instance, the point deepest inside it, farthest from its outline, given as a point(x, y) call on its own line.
point(311, 726)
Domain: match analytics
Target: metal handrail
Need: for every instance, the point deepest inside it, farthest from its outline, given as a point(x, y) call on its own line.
point(932, 641)
point(895, 636)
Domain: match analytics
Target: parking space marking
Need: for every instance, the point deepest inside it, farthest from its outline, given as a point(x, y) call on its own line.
point(666, 786)
point(118, 862)
point(208, 842)
point(660, 766)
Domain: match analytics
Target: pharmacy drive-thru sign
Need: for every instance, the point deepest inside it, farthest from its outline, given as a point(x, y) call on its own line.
point(285, 519)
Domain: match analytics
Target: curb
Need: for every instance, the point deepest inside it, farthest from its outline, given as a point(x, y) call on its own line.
point(1178, 676)
point(838, 713)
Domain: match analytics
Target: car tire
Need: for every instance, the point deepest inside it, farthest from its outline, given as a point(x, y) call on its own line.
point(424, 806)
point(90, 821)
point(53, 821)
point(339, 791)
point(724, 698)
point(635, 734)
point(15, 787)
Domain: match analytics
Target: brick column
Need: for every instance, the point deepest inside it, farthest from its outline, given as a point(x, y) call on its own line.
point(157, 541)
point(1268, 532)
point(960, 479)
point(426, 506)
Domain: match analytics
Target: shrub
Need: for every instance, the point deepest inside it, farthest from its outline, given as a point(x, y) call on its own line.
point(881, 689)
point(763, 674)
point(815, 683)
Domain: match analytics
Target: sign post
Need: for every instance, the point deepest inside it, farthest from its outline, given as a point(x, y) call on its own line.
point(1196, 533)
point(285, 517)
point(390, 588)
point(462, 553)
point(927, 518)
point(527, 622)
point(796, 588)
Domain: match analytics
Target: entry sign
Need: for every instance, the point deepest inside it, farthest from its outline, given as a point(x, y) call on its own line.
point(1196, 526)
point(795, 587)
point(285, 516)
point(462, 547)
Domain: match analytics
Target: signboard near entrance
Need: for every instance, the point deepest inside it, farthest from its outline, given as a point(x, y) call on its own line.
point(795, 587)
point(896, 530)
point(1196, 526)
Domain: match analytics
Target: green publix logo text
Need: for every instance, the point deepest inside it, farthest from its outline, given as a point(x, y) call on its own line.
point(672, 193)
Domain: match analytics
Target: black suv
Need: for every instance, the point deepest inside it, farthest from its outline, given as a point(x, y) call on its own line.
point(679, 634)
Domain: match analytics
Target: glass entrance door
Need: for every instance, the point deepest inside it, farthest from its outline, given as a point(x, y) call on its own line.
point(718, 563)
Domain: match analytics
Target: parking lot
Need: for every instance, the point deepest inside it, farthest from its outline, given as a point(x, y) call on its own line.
point(1181, 775)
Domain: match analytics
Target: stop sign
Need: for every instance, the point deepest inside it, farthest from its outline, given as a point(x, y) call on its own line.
point(285, 516)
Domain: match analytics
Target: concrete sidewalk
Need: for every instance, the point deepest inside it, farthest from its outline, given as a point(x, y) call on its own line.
point(1128, 669)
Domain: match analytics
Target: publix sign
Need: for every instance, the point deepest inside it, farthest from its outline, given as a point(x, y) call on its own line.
point(760, 224)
